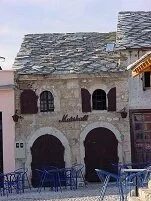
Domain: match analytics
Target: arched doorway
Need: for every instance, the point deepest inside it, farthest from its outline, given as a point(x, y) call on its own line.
point(100, 152)
point(46, 151)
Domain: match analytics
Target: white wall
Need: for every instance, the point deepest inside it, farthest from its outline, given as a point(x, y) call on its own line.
point(138, 98)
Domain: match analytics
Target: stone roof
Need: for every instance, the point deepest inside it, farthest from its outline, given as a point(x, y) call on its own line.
point(66, 53)
point(134, 30)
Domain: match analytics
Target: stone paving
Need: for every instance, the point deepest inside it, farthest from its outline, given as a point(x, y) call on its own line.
point(89, 193)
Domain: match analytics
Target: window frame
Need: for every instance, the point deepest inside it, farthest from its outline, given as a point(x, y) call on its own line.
point(146, 80)
point(101, 103)
point(46, 101)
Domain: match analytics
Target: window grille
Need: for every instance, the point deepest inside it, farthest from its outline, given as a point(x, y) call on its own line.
point(99, 100)
point(46, 102)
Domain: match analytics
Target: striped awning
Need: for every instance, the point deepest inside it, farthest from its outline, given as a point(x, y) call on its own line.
point(141, 65)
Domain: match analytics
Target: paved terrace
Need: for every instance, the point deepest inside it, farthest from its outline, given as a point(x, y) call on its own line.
point(89, 193)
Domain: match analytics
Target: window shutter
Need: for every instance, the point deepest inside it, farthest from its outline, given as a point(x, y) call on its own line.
point(86, 100)
point(28, 102)
point(112, 99)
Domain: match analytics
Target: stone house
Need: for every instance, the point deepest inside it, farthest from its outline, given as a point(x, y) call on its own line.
point(70, 89)
point(72, 92)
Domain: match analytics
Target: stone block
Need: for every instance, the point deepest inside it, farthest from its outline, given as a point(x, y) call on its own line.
point(145, 194)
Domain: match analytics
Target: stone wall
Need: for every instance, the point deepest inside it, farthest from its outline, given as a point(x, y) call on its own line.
point(66, 90)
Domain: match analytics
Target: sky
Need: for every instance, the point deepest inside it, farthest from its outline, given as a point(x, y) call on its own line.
point(20, 17)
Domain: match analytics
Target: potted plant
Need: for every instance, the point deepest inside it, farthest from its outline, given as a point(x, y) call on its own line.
point(123, 113)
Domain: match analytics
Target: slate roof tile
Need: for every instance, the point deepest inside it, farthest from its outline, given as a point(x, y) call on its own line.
point(63, 53)
point(134, 30)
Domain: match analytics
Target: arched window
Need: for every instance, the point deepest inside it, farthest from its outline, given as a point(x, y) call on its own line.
point(99, 99)
point(46, 102)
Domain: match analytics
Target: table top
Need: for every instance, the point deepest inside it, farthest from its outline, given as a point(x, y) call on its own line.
point(132, 170)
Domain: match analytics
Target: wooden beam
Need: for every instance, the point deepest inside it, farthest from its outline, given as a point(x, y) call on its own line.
point(139, 71)
point(142, 67)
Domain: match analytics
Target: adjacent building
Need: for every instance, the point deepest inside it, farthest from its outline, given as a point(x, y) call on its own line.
point(133, 38)
point(7, 125)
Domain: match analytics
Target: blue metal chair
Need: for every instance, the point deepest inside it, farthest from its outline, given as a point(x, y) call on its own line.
point(136, 180)
point(23, 179)
point(11, 182)
point(147, 176)
point(78, 174)
point(46, 179)
point(65, 177)
point(105, 177)
point(4, 190)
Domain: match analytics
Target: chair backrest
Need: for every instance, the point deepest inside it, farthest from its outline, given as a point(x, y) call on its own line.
point(103, 173)
point(131, 179)
point(147, 175)
point(40, 172)
point(77, 169)
point(22, 170)
point(100, 175)
point(78, 166)
point(117, 168)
